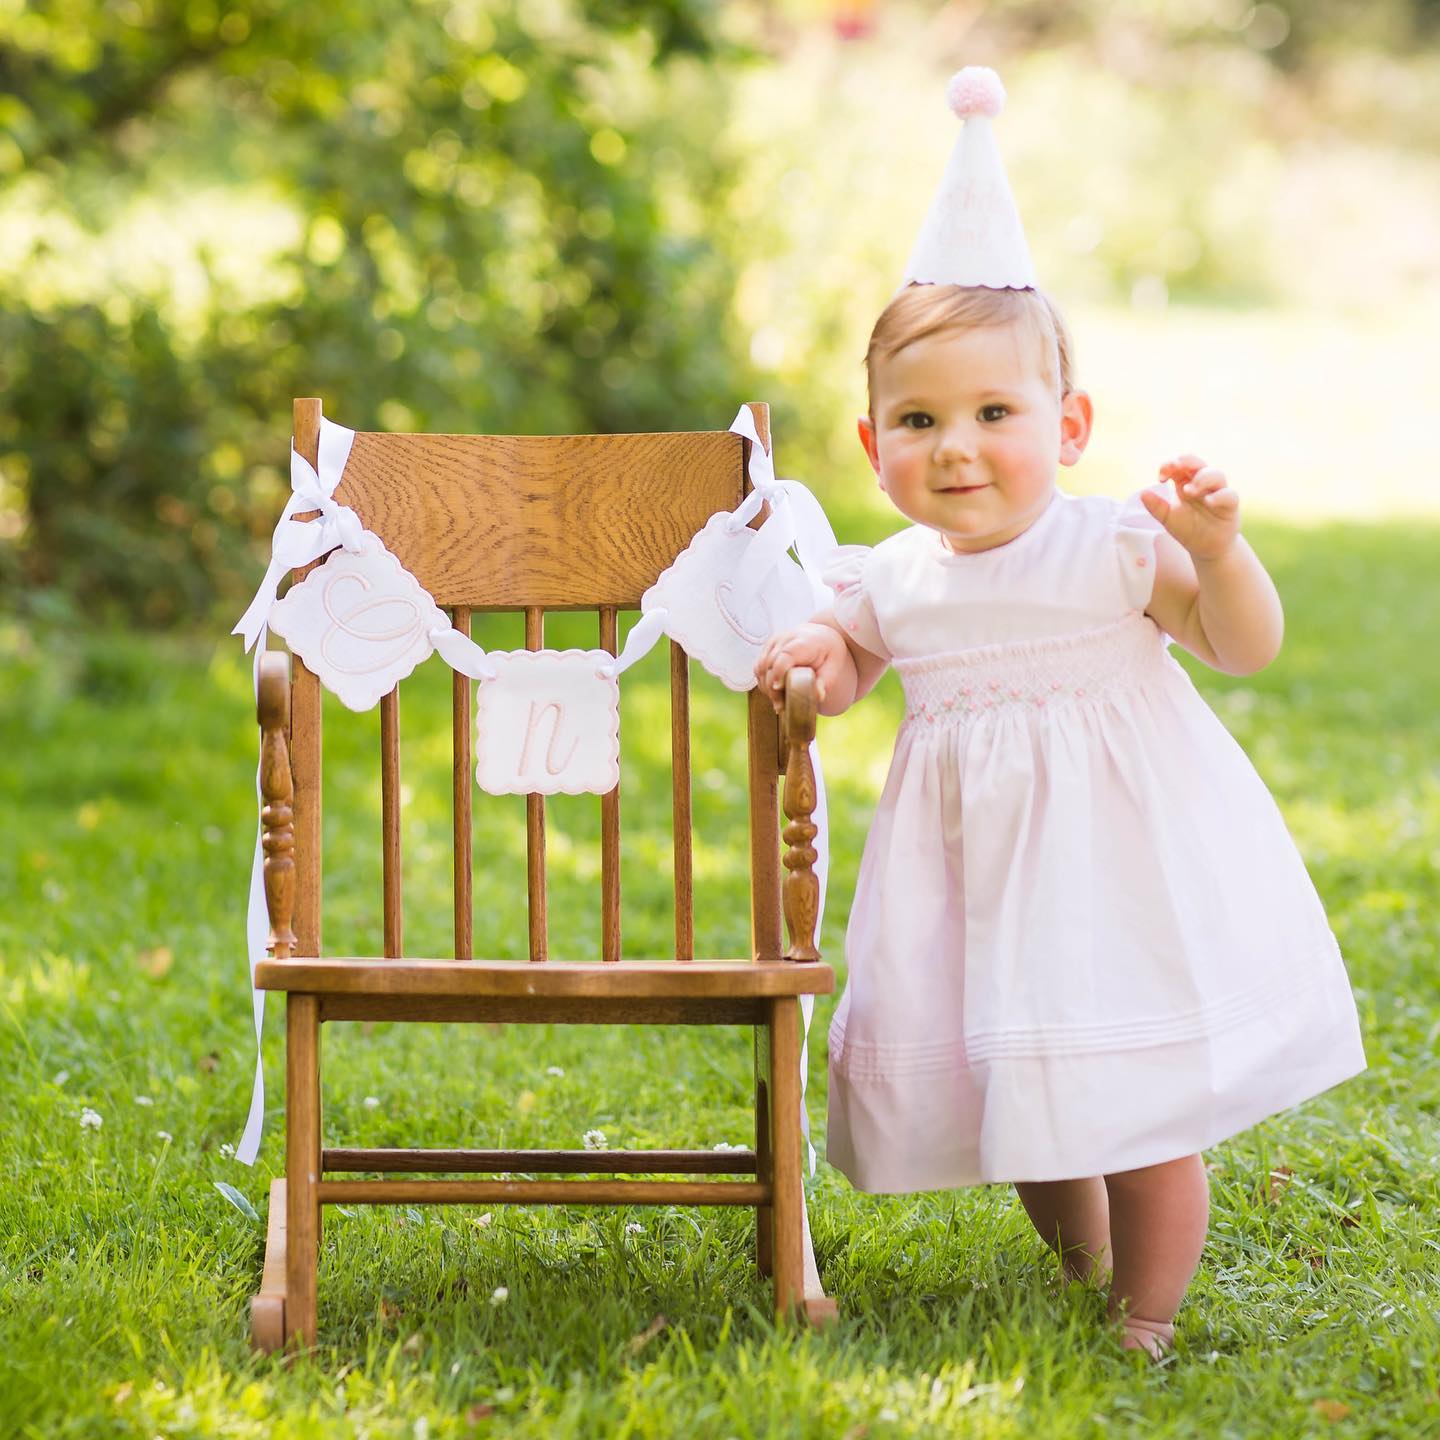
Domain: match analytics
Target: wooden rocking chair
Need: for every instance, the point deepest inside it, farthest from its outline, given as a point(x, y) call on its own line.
point(489, 522)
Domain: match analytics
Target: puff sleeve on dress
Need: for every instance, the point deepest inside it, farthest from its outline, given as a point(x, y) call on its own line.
point(1135, 533)
point(843, 570)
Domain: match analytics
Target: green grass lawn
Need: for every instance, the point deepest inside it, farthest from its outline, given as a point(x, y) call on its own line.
point(127, 778)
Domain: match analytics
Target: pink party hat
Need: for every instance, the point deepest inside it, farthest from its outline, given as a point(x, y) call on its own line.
point(973, 235)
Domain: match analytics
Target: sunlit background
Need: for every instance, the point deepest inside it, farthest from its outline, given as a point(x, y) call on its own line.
point(553, 216)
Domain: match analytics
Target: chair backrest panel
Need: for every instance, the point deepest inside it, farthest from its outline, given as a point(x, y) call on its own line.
point(567, 522)
point(537, 523)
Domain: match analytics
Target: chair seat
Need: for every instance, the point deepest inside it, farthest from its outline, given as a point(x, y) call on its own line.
point(614, 979)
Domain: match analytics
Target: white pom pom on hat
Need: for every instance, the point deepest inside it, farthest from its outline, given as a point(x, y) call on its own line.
point(975, 90)
point(972, 234)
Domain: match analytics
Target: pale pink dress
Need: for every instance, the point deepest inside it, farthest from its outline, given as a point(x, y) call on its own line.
point(1082, 938)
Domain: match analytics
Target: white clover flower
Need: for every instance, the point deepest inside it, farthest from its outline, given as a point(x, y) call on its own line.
point(725, 1145)
point(165, 1135)
point(634, 1228)
point(61, 1076)
point(227, 1149)
point(553, 1070)
point(371, 1102)
point(595, 1140)
point(143, 1100)
point(499, 1295)
point(90, 1119)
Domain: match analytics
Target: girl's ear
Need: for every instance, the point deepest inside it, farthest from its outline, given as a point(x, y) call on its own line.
point(1077, 416)
point(866, 428)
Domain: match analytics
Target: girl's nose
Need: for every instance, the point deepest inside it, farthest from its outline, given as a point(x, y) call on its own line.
point(956, 442)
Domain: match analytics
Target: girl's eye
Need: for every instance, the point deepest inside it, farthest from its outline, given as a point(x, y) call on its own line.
point(994, 412)
point(916, 420)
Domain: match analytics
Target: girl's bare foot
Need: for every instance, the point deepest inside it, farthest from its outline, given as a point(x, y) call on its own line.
point(1158, 1217)
point(1155, 1337)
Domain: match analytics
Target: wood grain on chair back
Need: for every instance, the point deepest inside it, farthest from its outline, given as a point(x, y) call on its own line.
point(564, 522)
point(536, 523)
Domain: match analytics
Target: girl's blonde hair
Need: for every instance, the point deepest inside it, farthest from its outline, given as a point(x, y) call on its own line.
point(921, 310)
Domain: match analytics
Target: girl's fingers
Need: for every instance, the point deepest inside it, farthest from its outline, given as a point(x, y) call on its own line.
point(1183, 464)
point(1157, 505)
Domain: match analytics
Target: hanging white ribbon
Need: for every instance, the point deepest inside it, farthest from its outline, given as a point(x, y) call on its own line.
point(257, 934)
point(296, 543)
point(638, 643)
point(796, 518)
point(461, 653)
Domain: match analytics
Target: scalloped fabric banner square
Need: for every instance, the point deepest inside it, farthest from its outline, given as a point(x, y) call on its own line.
point(714, 614)
point(360, 621)
point(548, 723)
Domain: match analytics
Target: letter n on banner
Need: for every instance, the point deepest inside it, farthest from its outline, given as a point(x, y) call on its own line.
point(548, 723)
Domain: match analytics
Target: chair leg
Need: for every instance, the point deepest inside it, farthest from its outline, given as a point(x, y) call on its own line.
point(302, 1167)
point(267, 1309)
point(787, 1196)
point(798, 1289)
point(764, 1216)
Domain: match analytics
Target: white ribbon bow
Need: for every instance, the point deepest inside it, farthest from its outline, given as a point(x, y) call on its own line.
point(298, 542)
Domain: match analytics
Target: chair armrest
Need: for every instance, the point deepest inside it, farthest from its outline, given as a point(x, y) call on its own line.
point(802, 886)
point(277, 791)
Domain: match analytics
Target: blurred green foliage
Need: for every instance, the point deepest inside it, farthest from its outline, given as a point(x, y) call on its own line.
point(561, 215)
point(497, 228)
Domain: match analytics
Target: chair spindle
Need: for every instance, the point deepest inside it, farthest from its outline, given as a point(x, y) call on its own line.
point(680, 802)
point(461, 781)
point(390, 821)
point(764, 825)
point(610, 825)
point(535, 819)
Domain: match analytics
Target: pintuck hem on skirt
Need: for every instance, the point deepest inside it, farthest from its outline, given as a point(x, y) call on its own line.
point(938, 1126)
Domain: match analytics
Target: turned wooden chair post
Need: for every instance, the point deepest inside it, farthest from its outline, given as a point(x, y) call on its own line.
point(277, 838)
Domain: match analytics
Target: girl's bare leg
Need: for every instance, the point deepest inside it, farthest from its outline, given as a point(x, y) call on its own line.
point(1073, 1219)
point(1158, 1219)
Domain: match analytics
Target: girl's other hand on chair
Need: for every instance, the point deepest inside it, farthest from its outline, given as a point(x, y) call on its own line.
point(817, 646)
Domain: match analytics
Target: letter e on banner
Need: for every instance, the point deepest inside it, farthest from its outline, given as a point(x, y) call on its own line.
point(548, 723)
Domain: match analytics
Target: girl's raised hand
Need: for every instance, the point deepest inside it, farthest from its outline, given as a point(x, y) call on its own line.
point(1207, 520)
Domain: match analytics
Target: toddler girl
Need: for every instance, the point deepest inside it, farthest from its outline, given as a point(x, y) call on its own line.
point(1083, 946)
